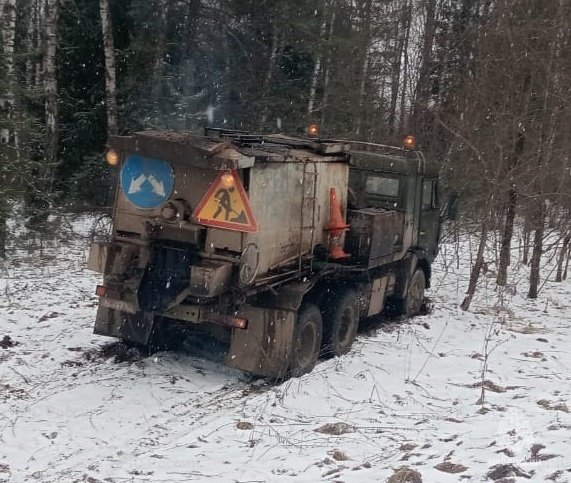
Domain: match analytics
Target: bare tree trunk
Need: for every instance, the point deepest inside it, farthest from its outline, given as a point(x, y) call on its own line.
point(327, 73)
point(513, 164)
point(158, 61)
point(32, 43)
point(547, 121)
point(8, 103)
point(8, 135)
point(270, 71)
point(505, 255)
point(3, 224)
point(536, 253)
point(568, 255)
point(316, 67)
point(364, 66)
point(408, 21)
point(3, 235)
point(396, 69)
point(423, 84)
point(561, 258)
point(110, 75)
point(51, 93)
point(526, 240)
point(313, 88)
point(478, 263)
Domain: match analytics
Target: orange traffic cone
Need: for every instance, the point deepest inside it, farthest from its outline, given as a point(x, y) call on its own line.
point(336, 227)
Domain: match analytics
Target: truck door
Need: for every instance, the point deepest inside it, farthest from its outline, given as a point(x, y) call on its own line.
point(429, 225)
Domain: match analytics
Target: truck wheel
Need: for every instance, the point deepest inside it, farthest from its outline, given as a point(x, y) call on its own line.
point(341, 320)
point(306, 340)
point(415, 294)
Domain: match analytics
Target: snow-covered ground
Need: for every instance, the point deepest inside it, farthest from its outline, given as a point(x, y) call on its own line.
point(78, 407)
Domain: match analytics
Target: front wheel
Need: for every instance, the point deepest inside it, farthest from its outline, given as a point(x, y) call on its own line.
point(415, 293)
point(306, 340)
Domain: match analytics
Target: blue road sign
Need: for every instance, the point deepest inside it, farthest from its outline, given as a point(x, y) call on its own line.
point(147, 183)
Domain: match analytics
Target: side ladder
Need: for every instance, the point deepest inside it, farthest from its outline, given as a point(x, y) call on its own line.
point(307, 215)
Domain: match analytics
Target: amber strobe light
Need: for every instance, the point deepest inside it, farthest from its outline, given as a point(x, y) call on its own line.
point(313, 130)
point(112, 158)
point(227, 180)
point(409, 142)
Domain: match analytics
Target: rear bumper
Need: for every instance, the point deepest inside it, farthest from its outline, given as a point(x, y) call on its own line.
point(120, 305)
point(261, 346)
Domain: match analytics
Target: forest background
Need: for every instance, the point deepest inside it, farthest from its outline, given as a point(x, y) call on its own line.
point(484, 85)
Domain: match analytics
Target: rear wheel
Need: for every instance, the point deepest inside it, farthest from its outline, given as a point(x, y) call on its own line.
point(306, 340)
point(415, 293)
point(341, 320)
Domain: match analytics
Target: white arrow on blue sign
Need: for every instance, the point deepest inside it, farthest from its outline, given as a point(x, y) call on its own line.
point(147, 183)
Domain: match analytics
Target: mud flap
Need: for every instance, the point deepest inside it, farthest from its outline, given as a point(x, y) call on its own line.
point(134, 328)
point(264, 347)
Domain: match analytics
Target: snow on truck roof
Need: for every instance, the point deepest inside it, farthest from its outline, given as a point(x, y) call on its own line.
point(230, 149)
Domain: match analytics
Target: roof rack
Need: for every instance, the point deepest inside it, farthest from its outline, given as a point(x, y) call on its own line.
point(243, 138)
point(221, 132)
point(375, 147)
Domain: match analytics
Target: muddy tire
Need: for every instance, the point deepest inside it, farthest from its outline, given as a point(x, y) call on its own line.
point(306, 340)
point(415, 294)
point(340, 322)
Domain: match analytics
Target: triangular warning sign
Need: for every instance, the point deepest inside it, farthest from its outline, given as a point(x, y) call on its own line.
point(226, 205)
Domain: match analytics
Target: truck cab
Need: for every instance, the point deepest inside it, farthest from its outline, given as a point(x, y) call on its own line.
point(395, 179)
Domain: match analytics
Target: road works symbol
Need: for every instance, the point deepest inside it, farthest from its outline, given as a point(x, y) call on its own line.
point(147, 183)
point(226, 205)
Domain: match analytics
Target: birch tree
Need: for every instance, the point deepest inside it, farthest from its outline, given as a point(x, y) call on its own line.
point(8, 129)
point(422, 94)
point(364, 61)
point(51, 146)
point(317, 67)
point(110, 75)
point(328, 58)
point(8, 133)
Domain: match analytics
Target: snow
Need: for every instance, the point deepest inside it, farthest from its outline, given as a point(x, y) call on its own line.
point(77, 407)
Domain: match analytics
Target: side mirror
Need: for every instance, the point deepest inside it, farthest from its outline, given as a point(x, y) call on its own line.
point(450, 209)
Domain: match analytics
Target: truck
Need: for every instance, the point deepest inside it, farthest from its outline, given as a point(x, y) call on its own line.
point(276, 246)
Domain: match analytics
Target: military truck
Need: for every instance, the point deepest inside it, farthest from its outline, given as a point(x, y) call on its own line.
point(274, 245)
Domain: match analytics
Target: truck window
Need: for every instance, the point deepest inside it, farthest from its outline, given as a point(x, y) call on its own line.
point(429, 200)
point(382, 186)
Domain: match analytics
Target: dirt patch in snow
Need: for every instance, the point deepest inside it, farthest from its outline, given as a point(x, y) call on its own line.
point(491, 386)
point(5, 473)
point(335, 429)
point(534, 355)
point(9, 392)
point(338, 455)
point(7, 342)
point(448, 467)
point(536, 456)
point(118, 351)
point(553, 406)
point(405, 475)
point(502, 472)
point(244, 425)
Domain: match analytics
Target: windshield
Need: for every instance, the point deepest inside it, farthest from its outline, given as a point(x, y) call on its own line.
point(382, 186)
